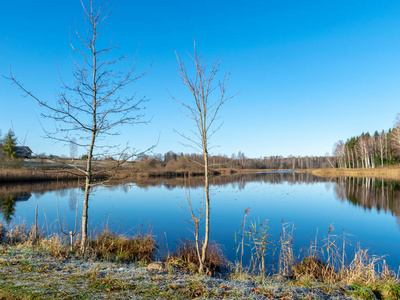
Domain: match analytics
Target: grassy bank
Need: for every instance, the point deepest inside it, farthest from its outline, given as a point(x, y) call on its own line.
point(38, 266)
point(387, 173)
point(28, 274)
point(24, 175)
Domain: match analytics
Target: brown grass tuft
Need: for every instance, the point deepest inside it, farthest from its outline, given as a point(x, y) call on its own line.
point(110, 246)
point(17, 234)
point(314, 269)
point(186, 257)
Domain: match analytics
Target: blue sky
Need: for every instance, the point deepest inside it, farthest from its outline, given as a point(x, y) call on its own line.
point(308, 73)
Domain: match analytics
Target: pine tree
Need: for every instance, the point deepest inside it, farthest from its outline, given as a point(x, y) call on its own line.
point(9, 144)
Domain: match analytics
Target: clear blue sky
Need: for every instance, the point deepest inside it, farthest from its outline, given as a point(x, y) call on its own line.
point(309, 72)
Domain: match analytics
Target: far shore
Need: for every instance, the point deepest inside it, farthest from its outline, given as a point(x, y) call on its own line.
point(386, 173)
point(39, 175)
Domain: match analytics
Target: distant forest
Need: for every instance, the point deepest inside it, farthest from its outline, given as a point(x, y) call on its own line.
point(178, 161)
point(369, 151)
point(363, 151)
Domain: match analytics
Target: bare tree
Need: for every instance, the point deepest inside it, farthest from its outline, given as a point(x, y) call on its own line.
point(93, 106)
point(338, 152)
point(207, 97)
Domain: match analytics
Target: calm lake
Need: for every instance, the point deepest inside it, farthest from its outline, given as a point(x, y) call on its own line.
point(367, 208)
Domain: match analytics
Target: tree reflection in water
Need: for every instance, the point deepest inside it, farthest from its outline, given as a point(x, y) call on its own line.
point(370, 193)
point(8, 203)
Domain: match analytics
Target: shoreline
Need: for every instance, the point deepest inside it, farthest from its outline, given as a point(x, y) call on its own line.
point(38, 175)
point(65, 175)
point(385, 173)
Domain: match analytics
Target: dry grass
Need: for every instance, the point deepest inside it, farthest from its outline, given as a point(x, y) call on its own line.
point(18, 175)
point(110, 246)
point(313, 268)
point(286, 254)
point(186, 257)
point(137, 170)
point(22, 235)
point(392, 172)
point(18, 234)
point(327, 264)
point(107, 245)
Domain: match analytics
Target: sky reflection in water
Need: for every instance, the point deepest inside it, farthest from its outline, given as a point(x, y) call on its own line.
point(369, 209)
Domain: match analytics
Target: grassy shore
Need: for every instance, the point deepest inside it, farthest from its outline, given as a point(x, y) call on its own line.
point(387, 173)
point(29, 274)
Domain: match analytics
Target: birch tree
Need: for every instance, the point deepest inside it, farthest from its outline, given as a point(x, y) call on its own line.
point(381, 144)
point(395, 138)
point(93, 106)
point(338, 152)
point(207, 97)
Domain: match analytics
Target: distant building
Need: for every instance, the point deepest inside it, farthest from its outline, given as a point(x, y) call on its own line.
point(23, 151)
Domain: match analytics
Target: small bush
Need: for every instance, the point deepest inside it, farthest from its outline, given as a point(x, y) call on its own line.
point(149, 164)
point(315, 269)
point(18, 234)
point(110, 246)
point(186, 256)
point(55, 244)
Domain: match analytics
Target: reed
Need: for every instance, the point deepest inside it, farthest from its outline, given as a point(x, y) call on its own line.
point(107, 245)
point(253, 236)
point(286, 254)
point(326, 262)
point(18, 175)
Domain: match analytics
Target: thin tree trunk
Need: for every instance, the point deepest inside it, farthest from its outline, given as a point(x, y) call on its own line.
point(207, 228)
point(90, 154)
point(86, 197)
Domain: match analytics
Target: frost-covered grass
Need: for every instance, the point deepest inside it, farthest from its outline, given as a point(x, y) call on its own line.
point(30, 274)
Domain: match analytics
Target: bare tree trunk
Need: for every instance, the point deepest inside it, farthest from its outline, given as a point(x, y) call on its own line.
point(88, 182)
point(207, 226)
point(85, 216)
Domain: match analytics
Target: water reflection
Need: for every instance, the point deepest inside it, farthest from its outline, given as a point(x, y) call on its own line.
point(8, 203)
point(236, 181)
point(370, 193)
point(365, 206)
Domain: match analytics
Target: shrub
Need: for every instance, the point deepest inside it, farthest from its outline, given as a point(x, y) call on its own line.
point(186, 257)
point(110, 246)
point(314, 269)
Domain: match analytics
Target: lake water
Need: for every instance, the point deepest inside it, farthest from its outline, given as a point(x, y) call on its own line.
point(368, 209)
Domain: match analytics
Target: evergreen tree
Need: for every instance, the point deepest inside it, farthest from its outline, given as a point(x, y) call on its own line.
point(9, 144)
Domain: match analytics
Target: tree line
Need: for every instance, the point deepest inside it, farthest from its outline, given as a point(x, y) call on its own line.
point(172, 160)
point(368, 151)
